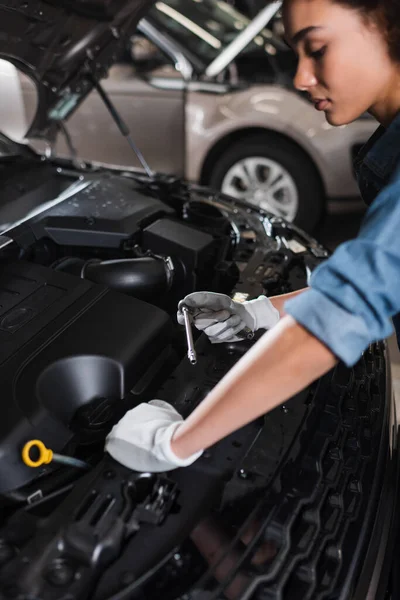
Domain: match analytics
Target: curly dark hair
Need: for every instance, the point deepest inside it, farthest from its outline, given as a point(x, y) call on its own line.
point(386, 13)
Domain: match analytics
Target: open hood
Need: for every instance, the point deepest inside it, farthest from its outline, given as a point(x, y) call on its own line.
point(65, 46)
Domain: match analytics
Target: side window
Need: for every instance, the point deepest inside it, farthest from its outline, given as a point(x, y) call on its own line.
point(148, 60)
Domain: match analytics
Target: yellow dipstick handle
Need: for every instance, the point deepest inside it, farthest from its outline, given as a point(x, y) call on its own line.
point(45, 455)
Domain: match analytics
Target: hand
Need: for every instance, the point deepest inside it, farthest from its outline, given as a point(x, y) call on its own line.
point(141, 440)
point(221, 318)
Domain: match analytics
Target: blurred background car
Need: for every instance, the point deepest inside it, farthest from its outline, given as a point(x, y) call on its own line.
point(207, 94)
point(12, 111)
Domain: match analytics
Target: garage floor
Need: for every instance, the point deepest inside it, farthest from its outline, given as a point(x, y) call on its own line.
point(342, 223)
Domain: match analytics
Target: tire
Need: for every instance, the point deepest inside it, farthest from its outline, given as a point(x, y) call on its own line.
point(299, 179)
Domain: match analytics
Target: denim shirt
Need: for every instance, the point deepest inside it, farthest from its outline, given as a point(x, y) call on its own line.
point(356, 292)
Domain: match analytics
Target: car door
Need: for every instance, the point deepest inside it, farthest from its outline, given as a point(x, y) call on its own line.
point(149, 93)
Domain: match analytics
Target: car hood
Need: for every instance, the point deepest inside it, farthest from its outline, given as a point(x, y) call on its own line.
point(65, 46)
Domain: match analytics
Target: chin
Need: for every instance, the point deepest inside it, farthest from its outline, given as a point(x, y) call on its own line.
point(336, 119)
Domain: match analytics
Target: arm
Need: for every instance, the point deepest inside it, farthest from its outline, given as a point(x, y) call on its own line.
point(279, 301)
point(283, 362)
point(352, 297)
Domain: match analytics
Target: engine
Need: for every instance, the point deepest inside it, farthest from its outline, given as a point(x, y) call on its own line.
point(80, 330)
point(88, 295)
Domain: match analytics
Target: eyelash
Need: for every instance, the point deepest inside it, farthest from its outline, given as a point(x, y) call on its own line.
point(318, 53)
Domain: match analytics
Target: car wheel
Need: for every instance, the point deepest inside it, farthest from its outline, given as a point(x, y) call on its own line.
point(272, 174)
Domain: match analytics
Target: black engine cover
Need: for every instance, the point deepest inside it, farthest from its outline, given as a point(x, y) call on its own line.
point(101, 212)
point(65, 343)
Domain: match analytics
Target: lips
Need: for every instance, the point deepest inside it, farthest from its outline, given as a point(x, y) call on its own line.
point(321, 103)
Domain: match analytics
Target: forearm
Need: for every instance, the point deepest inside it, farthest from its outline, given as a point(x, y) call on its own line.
point(279, 301)
point(283, 362)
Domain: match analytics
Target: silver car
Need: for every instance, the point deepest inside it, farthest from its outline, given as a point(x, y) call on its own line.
point(207, 94)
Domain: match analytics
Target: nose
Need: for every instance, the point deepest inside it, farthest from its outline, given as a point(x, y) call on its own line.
point(305, 77)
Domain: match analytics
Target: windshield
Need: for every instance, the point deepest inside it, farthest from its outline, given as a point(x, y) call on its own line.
point(206, 27)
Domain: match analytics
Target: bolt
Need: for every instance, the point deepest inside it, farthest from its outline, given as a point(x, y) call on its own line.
point(243, 474)
point(178, 559)
point(334, 500)
point(355, 486)
point(60, 573)
point(335, 454)
point(109, 474)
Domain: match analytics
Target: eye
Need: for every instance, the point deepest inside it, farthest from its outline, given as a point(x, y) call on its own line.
point(317, 54)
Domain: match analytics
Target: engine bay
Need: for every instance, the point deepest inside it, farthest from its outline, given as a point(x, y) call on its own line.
point(89, 287)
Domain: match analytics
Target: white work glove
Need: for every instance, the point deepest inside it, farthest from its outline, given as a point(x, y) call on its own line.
point(141, 440)
point(221, 318)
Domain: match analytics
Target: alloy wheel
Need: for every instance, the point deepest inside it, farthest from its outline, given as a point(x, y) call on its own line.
point(264, 183)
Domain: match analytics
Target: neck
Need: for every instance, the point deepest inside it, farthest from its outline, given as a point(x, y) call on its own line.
point(387, 107)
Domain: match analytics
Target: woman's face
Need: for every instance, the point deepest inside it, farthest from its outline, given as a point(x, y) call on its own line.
point(344, 63)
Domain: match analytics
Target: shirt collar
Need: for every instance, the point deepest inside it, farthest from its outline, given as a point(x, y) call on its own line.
point(382, 152)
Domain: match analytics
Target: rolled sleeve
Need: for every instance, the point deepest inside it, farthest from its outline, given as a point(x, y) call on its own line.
point(344, 333)
point(356, 292)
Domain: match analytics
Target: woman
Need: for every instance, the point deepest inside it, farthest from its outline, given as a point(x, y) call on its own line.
point(349, 63)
